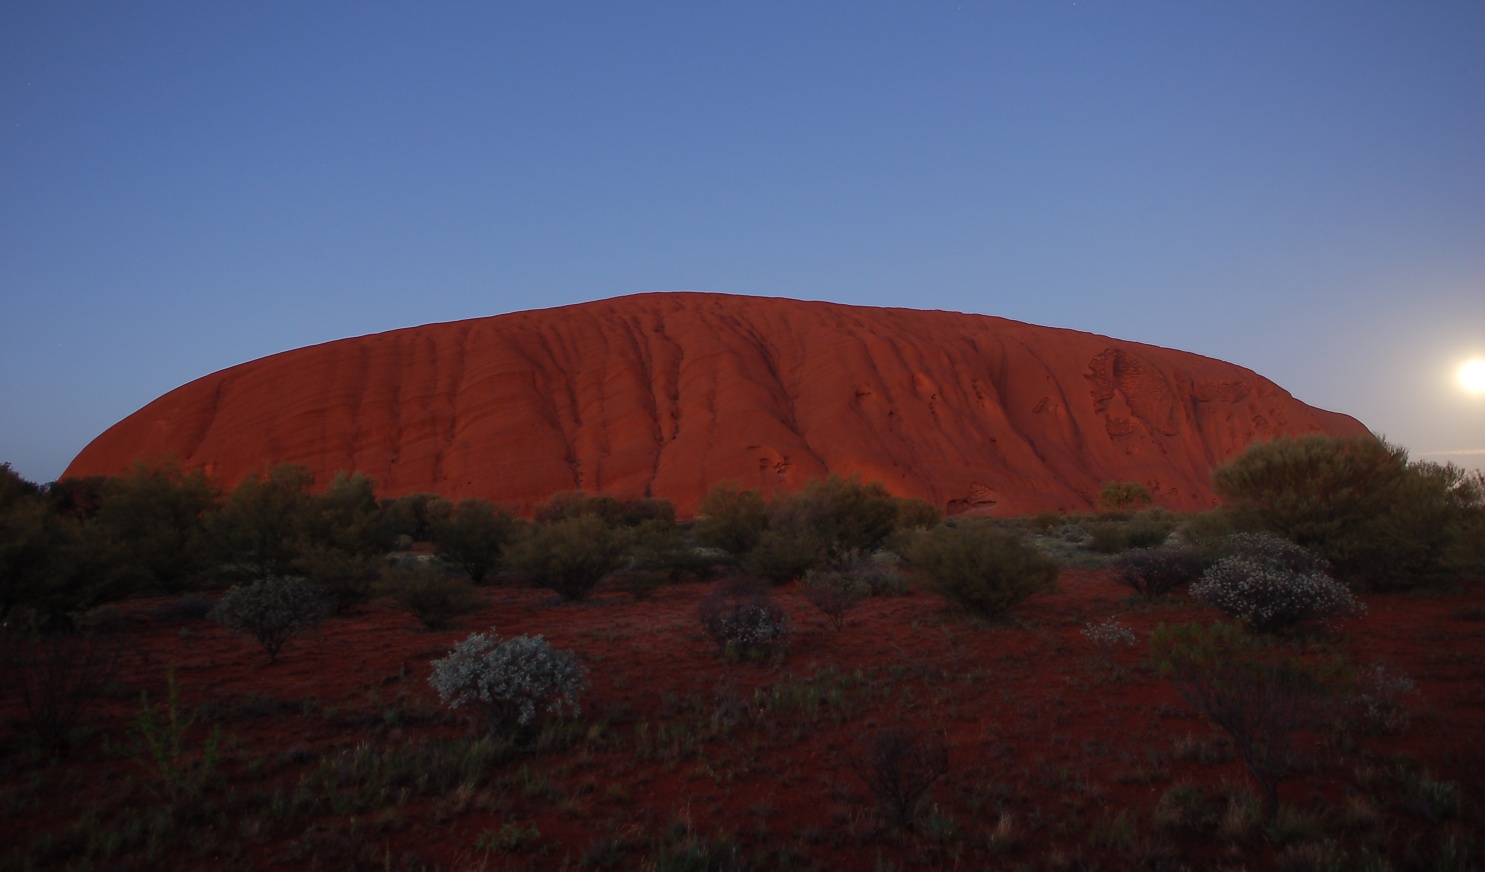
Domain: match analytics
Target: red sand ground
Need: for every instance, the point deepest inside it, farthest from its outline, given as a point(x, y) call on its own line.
point(1075, 756)
point(666, 395)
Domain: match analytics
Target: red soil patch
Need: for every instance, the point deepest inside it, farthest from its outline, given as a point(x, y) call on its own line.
point(667, 395)
point(1036, 728)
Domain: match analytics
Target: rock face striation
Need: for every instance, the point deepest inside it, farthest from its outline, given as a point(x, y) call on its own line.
point(669, 394)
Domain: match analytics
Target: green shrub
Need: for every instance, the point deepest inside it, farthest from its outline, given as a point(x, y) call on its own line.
point(567, 505)
point(730, 519)
point(570, 556)
point(1107, 537)
point(1250, 689)
point(415, 516)
point(1382, 522)
point(1150, 528)
point(347, 579)
point(272, 610)
point(786, 553)
point(662, 548)
point(474, 536)
point(347, 517)
point(262, 524)
point(916, 514)
point(849, 516)
point(981, 568)
point(157, 513)
point(430, 594)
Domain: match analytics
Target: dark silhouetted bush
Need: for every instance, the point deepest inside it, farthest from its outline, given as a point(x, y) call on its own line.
point(429, 594)
point(415, 515)
point(474, 537)
point(836, 592)
point(57, 677)
point(983, 569)
point(1251, 690)
point(347, 579)
point(899, 767)
point(1154, 572)
point(744, 621)
point(157, 514)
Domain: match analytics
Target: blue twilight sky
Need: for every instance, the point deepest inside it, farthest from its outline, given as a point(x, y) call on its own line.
point(1298, 188)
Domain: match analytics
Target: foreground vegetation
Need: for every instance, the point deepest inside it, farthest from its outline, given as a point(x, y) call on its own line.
point(832, 679)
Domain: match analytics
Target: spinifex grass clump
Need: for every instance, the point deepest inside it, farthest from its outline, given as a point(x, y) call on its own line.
point(1271, 584)
point(512, 680)
point(272, 610)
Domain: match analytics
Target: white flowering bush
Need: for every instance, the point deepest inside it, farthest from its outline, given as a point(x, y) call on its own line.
point(1272, 584)
point(745, 623)
point(272, 610)
point(511, 680)
point(1108, 636)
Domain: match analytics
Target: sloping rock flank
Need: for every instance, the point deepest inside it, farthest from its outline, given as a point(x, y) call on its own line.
point(669, 394)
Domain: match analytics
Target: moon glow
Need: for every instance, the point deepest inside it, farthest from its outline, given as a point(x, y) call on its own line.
point(1472, 376)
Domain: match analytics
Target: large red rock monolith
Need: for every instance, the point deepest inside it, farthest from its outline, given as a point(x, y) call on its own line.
point(669, 394)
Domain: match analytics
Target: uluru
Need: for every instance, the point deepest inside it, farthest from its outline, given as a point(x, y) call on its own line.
point(669, 394)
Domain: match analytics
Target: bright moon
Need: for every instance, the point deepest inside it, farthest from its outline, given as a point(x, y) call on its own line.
point(1472, 376)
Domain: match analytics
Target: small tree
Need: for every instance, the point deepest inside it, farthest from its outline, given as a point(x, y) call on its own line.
point(157, 513)
point(836, 592)
point(272, 610)
point(1123, 496)
point(512, 680)
point(899, 766)
point(570, 556)
point(980, 568)
point(1250, 690)
point(262, 523)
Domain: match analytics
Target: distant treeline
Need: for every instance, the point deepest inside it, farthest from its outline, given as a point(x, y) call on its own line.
point(75, 544)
